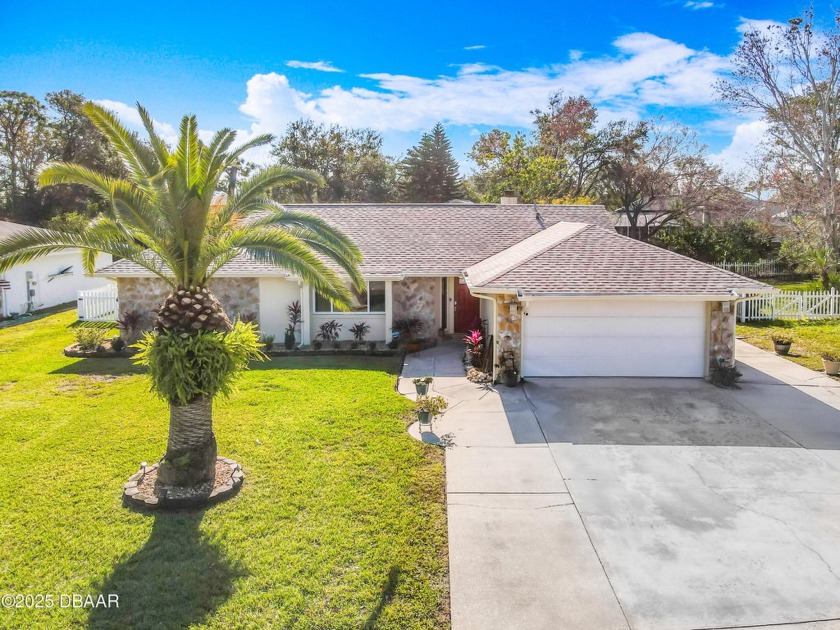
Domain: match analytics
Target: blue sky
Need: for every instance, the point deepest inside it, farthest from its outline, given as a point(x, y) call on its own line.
point(397, 67)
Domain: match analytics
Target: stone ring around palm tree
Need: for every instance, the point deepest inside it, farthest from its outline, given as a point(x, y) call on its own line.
point(142, 490)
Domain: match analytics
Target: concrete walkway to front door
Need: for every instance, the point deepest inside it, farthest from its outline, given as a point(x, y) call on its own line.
point(519, 555)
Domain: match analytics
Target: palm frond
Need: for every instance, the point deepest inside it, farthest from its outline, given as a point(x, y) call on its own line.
point(254, 191)
point(134, 154)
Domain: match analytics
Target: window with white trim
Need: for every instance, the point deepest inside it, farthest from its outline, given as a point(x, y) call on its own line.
point(371, 300)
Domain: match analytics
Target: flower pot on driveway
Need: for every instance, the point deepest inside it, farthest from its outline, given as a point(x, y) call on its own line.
point(831, 367)
point(421, 388)
point(424, 417)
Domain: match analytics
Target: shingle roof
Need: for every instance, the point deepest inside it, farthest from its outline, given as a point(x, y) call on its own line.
point(420, 239)
point(595, 261)
point(7, 229)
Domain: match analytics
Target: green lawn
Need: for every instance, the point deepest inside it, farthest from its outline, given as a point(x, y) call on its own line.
point(340, 524)
point(810, 338)
point(792, 284)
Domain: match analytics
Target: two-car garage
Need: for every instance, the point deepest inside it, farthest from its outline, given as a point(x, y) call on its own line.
point(614, 337)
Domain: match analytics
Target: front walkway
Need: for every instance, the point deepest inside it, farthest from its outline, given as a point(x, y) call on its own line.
point(519, 555)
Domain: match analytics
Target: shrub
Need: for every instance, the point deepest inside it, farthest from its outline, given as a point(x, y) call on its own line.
point(831, 355)
point(359, 331)
point(267, 341)
point(317, 345)
point(372, 346)
point(435, 405)
point(248, 317)
point(329, 331)
point(474, 341)
point(784, 340)
point(184, 367)
point(724, 375)
point(90, 339)
point(295, 314)
point(117, 343)
point(129, 323)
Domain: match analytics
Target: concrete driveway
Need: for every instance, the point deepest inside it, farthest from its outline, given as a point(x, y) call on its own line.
point(646, 503)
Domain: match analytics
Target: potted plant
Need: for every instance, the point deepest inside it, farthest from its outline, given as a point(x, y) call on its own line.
point(329, 332)
point(295, 320)
point(781, 343)
point(289, 340)
point(831, 362)
point(422, 385)
point(474, 341)
point(428, 408)
point(408, 330)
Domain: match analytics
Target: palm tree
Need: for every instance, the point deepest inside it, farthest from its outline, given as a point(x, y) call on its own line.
point(162, 217)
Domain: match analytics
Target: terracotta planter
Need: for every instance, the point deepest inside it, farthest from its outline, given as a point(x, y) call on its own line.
point(831, 367)
point(781, 348)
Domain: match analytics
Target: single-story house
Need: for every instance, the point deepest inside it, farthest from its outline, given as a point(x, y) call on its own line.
point(45, 282)
point(556, 284)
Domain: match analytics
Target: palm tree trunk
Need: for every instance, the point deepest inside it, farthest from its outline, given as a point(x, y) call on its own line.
point(190, 457)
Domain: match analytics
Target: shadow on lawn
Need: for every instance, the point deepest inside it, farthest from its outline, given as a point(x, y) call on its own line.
point(176, 580)
point(106, 367)
point(389, 588)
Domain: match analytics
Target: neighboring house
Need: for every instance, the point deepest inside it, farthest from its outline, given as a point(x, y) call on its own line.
point(49, 281)
point(555, 283)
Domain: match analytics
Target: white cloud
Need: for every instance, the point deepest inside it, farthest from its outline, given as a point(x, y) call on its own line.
point(321, 66)
point(476, 47)
point(129, 116)
point(746, 143)
point(575, 55)
point(696, 6)
point(646, 70)
point(747, 24)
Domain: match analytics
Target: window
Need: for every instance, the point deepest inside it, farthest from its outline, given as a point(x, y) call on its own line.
point(370, 301)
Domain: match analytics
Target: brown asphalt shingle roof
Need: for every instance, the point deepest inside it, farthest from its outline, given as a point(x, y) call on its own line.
point(419, 239)
point(591, 260)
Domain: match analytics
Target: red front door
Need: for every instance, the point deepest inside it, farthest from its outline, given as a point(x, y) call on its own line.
point(466, 308)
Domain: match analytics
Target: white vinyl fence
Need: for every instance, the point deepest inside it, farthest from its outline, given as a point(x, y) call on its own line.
point(99, 305)
point(791, 305)
point(760, 269)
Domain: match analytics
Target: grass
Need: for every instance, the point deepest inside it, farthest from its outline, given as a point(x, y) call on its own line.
point(793, 284)
point(810, 338)
point(340, 524)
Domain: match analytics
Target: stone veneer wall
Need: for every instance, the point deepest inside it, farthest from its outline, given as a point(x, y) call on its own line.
point(417, 297)
point(722, 334)
point(510, 328)
point(237, 295)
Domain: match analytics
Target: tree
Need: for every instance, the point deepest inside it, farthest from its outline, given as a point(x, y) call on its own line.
point(22, 146)
point(564, 159)
point(429, 173)
point(162, 217)
point(659, 174)
point(738, 240)
point(349, 160)
point(790, 76)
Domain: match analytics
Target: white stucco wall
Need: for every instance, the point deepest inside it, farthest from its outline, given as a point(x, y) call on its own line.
point(276, 294)
point(49, 292)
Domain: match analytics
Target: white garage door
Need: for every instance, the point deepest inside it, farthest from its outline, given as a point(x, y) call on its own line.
point(613, 338)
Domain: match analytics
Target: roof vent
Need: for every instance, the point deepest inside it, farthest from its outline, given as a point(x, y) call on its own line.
point(509, 198)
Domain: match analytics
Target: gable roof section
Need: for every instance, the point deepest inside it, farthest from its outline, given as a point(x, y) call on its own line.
point(595, 261)
point(419, 239)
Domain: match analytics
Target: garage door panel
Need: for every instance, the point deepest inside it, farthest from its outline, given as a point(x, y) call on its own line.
point(650, 327)
point(574, 348)
point(614, 338)
point(623, 307)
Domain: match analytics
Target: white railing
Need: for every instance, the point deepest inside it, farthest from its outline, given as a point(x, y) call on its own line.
point(791, 305)
point(760, 269)
point(99, 305)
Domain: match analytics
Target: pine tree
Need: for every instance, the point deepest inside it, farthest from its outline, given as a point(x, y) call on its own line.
point(429, 173)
